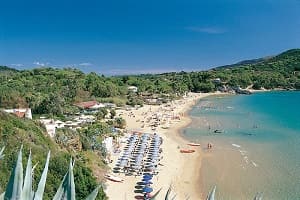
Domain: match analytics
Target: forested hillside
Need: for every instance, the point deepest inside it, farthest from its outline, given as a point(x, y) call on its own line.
point(281, 71)
point(15, 132)
point(49, 90)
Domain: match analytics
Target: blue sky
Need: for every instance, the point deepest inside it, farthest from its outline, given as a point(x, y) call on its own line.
point(137, 36)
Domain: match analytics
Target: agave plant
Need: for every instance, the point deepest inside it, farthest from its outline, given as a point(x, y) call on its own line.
point(1, 153)
point(168, 194)
point(211, 195)
point(258, 196)
point(21, 189)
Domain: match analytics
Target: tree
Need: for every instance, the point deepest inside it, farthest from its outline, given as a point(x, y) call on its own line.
point(112, 113)
point(102, 112)
point(120, 122)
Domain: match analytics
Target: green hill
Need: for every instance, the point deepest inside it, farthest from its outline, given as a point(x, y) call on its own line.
point(15, 132)
point(246, 62)
point(286, 59)
point(281, 71)
point(54, 91)
point(7, 69)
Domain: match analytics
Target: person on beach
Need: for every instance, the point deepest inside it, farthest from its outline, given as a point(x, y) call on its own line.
point(209, 145)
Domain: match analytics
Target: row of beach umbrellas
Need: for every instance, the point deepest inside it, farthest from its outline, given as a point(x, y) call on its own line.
point(140, 151)
point(147, 182)
point(139, 154)
point(153, 157)
point(129, 148)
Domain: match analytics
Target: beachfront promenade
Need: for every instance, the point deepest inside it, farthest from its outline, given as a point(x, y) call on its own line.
point(173, 168)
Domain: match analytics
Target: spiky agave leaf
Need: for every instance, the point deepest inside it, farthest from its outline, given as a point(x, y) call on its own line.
point(15, 184)
point(1, 153)
point(41, 187)
point(2, 196)
point(94, 194)
point(155, 195)
point(211, 195)
point(168, 193)
point(173, 198)
point(27, 192)
point(66, 190)
point(258, 196)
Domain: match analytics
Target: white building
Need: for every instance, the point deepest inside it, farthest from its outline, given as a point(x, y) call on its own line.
point(50, 126)
point(133, 88)
point(216, 80)
point(20, 112)
point(51, 129)
point(108, 144)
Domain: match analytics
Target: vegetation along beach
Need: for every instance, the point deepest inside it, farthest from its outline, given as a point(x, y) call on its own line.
point(150, 100)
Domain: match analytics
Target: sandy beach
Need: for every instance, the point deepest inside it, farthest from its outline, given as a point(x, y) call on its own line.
point(179, 170)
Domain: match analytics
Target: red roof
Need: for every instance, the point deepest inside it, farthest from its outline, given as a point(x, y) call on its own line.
point(20, 114)
point(86, 104)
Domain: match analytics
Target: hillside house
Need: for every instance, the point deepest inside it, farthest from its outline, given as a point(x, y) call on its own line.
point(132, 89)
point(20, 112)
point(90, 105)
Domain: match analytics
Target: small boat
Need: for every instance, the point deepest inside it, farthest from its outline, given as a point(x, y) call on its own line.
point(113, 178)
point(187, 151)
point(193, 144)
point(166, 126)
point(218, 131)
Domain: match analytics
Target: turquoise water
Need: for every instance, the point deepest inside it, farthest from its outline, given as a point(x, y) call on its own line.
point(258, 149)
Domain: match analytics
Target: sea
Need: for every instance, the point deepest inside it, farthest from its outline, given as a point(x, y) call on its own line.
point(255, 145)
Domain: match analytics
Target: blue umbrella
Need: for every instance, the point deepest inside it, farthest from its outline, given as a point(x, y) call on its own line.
point(147, 179)
point(147, 189)
point(147, 182)
point(147, 176)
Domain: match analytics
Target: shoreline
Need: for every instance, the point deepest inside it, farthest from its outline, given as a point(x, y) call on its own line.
point(180, 171)
point(194, 173)
point(191, 163)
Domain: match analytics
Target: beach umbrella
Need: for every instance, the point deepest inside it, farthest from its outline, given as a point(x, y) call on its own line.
point(135, 167)
point(150, 168)
point(149, 165)
point(147, 182)
point(154, 148)
point(156, 151)
point(147, 189)
point(147, 179)
point(153, 154)
point(147, 176)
